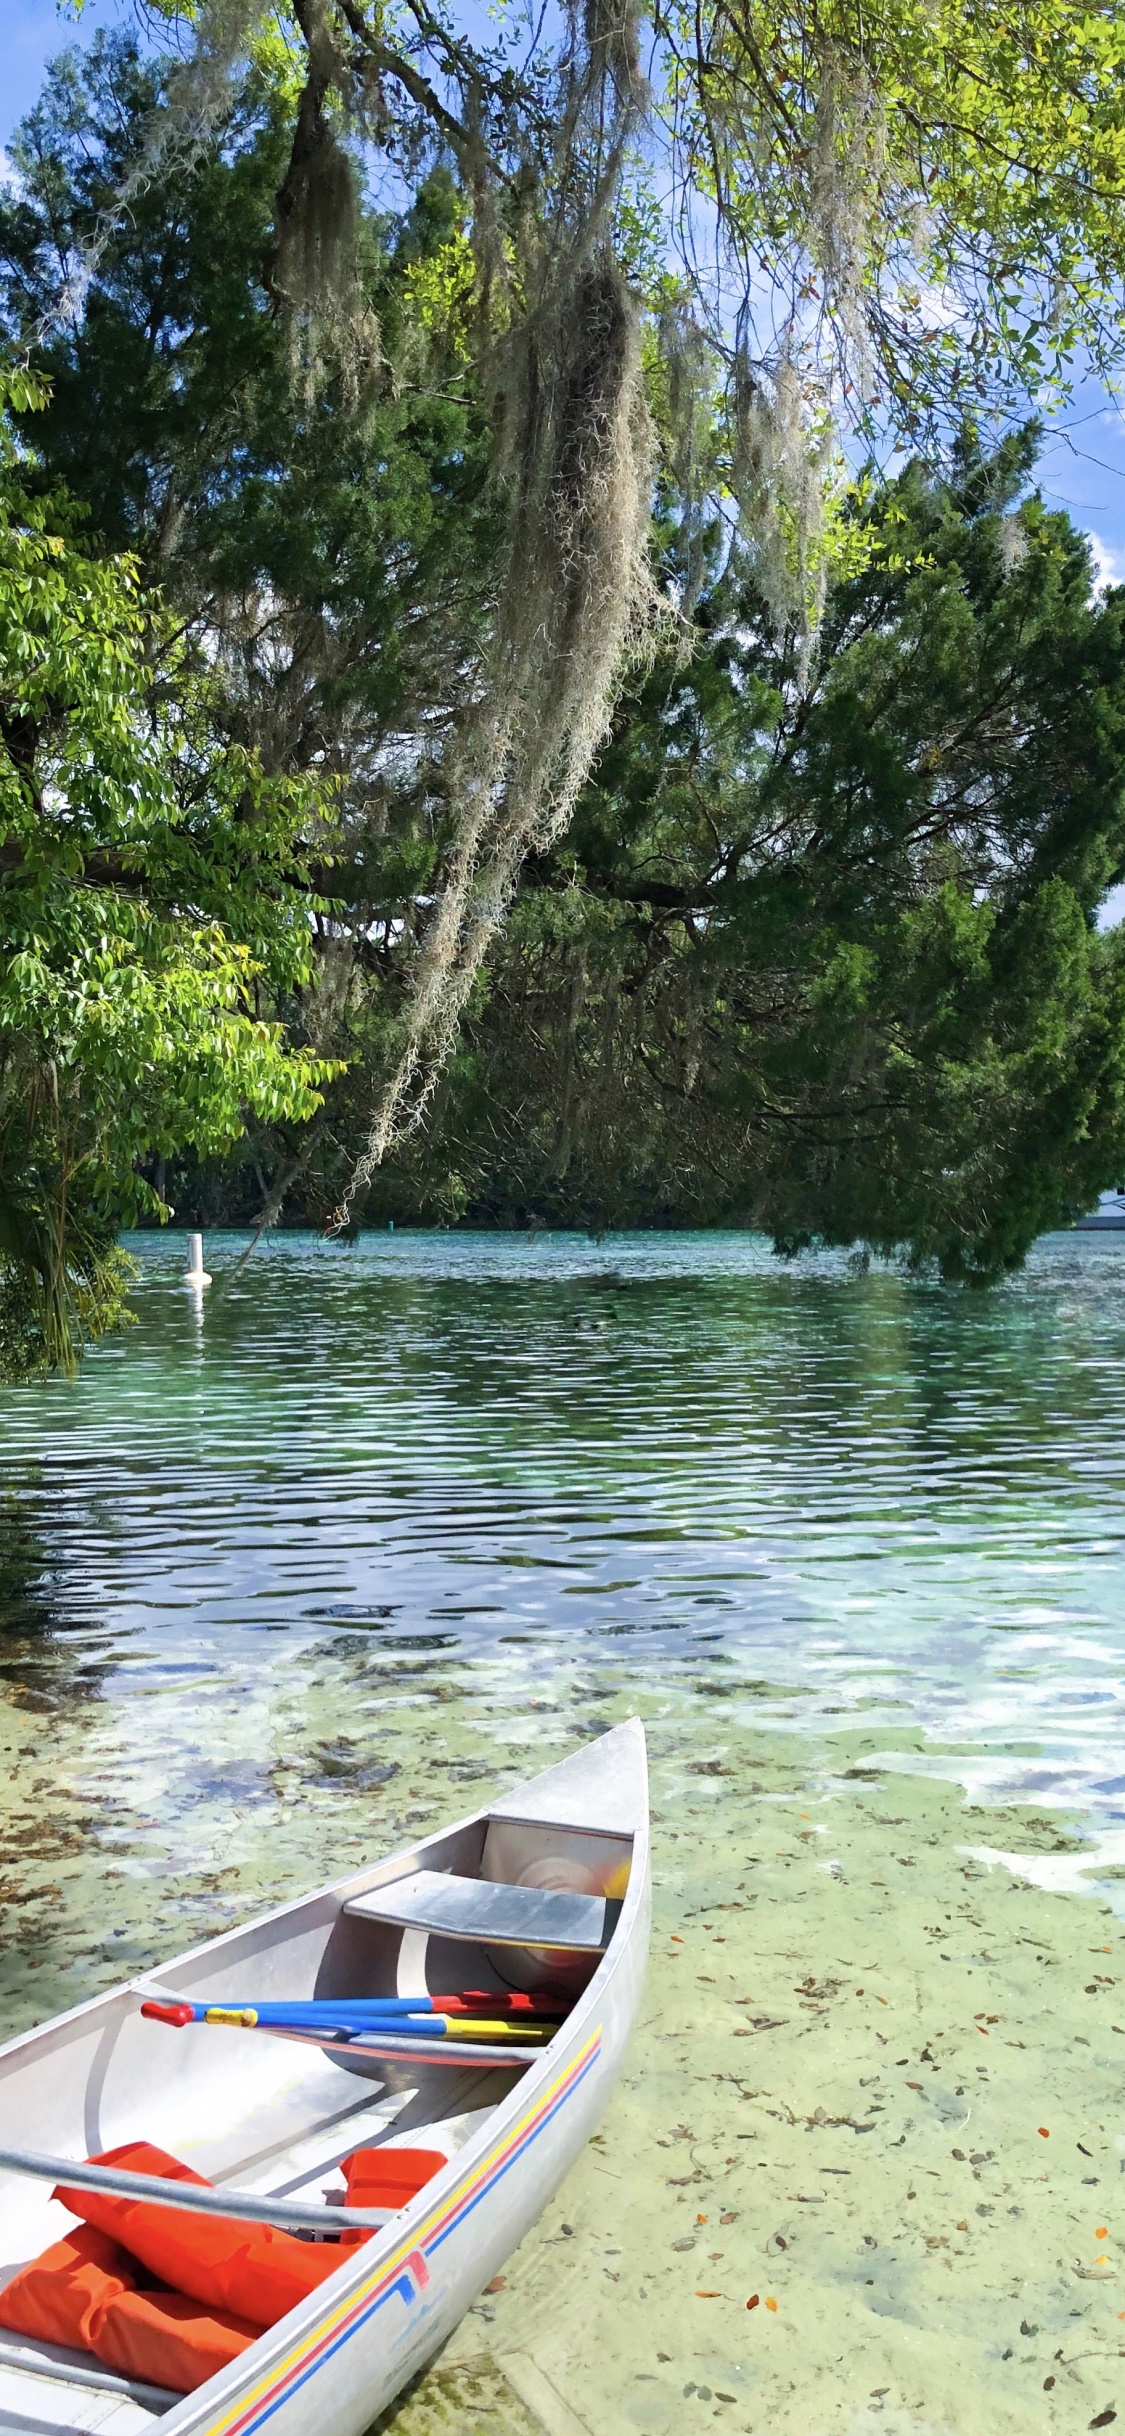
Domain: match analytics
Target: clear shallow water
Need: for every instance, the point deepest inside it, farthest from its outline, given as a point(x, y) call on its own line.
point(366, 1531)
point(542, 1468)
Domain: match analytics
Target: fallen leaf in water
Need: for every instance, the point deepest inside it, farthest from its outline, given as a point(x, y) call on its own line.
point(1044, 2134)
point(1101, 2232)
point(770, 2302)
point(708, 2296)
point(752, 2303)
point(499, 2284)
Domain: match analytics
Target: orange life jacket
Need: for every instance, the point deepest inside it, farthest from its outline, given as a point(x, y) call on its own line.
point(55, 2296)
point(389, 2177)
point(166, 2339)
point(253, 2271)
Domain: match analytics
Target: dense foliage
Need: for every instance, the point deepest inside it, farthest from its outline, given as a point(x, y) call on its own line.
point(823, 957)
point(325, 532)
point(149, 888)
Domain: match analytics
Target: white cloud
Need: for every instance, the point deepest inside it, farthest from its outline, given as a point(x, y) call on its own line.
point(1109, 564)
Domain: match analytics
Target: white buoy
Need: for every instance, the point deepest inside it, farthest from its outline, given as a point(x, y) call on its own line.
point(195, 1274)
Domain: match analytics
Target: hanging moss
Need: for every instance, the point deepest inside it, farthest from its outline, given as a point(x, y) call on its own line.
point(845, 183)
point(196, 98)
point(577, 602)
point(782, 445)
point(315, 272)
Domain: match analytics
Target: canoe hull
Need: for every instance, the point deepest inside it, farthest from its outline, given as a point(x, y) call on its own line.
point(341, 2367)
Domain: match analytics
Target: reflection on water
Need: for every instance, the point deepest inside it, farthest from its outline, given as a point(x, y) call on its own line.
point(504, 1480)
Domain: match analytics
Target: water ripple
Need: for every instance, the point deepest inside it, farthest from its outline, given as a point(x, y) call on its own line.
point(541, 1457)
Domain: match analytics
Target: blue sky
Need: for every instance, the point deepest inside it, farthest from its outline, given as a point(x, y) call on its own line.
point(31, 31)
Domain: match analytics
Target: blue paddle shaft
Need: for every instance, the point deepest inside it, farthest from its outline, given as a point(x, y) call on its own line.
point(318, 2009)
point(331, 2021)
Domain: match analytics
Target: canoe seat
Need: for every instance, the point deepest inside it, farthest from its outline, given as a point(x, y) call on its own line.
point(490, 1914)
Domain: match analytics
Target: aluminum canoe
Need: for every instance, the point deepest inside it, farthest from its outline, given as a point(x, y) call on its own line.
point(274, 2117)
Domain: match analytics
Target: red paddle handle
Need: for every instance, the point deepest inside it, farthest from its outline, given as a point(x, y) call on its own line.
point(177, 2016)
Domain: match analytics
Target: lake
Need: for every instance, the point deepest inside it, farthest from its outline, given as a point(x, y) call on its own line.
point(296, 1561)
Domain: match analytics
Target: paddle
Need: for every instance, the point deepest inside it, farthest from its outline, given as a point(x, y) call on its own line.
point(342, 2023)
point(474, 2002)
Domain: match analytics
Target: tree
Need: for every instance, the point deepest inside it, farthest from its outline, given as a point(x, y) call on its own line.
point(907, 210)
point(331, 557)
point(823, 957)
point(330, 548)
point(152, 900)
point(372, 290)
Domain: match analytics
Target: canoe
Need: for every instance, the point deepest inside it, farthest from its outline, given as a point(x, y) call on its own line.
point(268, 2119)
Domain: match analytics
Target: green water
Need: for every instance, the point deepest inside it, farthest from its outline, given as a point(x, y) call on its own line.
point(527, 1480)
point(304, 1562)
